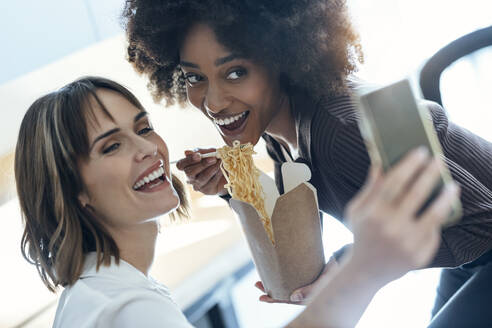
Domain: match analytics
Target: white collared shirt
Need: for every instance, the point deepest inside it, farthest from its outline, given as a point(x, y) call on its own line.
point(117, 296)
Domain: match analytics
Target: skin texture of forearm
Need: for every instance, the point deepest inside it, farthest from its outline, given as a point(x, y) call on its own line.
point(341, 301)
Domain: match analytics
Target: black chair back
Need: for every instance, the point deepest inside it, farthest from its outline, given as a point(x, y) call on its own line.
point(430, 75)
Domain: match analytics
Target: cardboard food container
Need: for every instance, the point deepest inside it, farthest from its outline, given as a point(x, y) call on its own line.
point(297, 258)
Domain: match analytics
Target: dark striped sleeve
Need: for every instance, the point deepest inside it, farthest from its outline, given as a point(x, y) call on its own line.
point(468, 157)
point(340, 154)
point(350, 158)
point(463, 147)
point(337, 140)
point(472, 236)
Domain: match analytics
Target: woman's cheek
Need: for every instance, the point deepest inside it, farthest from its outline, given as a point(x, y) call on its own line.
point(193, 97)
point(161, 144)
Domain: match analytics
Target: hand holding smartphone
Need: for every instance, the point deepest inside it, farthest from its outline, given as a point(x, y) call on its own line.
point(392, 124)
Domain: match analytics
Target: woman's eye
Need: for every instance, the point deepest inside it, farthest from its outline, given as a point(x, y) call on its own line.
point(236, 74)
point(111, 148)
point(145, 131)
point(193, 78)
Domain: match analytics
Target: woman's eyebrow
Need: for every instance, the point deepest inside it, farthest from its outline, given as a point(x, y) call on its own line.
point(112, 131)
point(226, 59)
point(188, 64)
point(217, 62)
point(104, 135)
point(139, 116)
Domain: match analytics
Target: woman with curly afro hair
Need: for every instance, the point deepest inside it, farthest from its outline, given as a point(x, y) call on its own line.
point(282, 70)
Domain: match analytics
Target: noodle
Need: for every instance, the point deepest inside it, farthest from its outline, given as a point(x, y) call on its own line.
point(242, 179)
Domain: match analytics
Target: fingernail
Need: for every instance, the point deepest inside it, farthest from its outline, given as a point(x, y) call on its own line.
point(296, 297)
point(452, 187)
point(211, 160)
point(197, 157)
point(422, 152)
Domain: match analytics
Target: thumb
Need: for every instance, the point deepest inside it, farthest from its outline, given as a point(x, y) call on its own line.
point(303, 293)
point(300, 295)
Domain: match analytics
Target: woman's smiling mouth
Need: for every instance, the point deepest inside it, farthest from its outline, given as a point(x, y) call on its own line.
point(153, 179)
point(232, 125)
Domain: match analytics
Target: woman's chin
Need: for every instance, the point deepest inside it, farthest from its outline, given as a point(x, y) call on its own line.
point(170, 205)
point(176, 205)
point(162, 207)
point(244, 139)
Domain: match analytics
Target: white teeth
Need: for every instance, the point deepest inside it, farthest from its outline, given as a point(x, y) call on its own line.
point(150, 177)
point(156, 184)
point(229, 120)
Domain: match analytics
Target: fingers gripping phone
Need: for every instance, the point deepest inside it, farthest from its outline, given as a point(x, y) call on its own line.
point(392, 124)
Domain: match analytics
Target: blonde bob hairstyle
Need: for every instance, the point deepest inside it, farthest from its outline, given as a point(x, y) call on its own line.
point(59, 231)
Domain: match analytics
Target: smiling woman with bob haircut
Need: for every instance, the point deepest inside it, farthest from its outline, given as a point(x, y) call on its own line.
point(93, 178)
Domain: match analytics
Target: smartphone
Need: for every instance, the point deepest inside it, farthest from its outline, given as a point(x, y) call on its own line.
point(392, 124)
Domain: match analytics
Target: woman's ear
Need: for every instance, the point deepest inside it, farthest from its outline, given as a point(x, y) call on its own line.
point(83, 199)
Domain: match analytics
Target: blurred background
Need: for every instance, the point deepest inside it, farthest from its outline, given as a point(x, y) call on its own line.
point(206, 262)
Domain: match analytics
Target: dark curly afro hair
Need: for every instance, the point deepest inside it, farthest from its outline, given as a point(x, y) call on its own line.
point(310, 44)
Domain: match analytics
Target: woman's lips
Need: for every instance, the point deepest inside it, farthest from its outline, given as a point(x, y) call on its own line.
point(153, 179)
point(155, 185)
point(234, 128)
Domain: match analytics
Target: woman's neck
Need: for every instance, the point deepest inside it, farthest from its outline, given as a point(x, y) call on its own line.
point(137, 245)
point(283, 126)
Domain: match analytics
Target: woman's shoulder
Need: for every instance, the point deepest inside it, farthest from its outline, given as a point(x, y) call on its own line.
point(142, 309)
point(79, 304)
point(335, 115)
point(342, 107)
point(90, 304)
point(335, 134)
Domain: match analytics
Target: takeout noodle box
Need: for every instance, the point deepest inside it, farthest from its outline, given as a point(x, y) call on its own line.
point(297, 257)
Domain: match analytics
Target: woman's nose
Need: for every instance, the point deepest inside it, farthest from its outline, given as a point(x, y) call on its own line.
point(145, 149)
point(215, 100)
